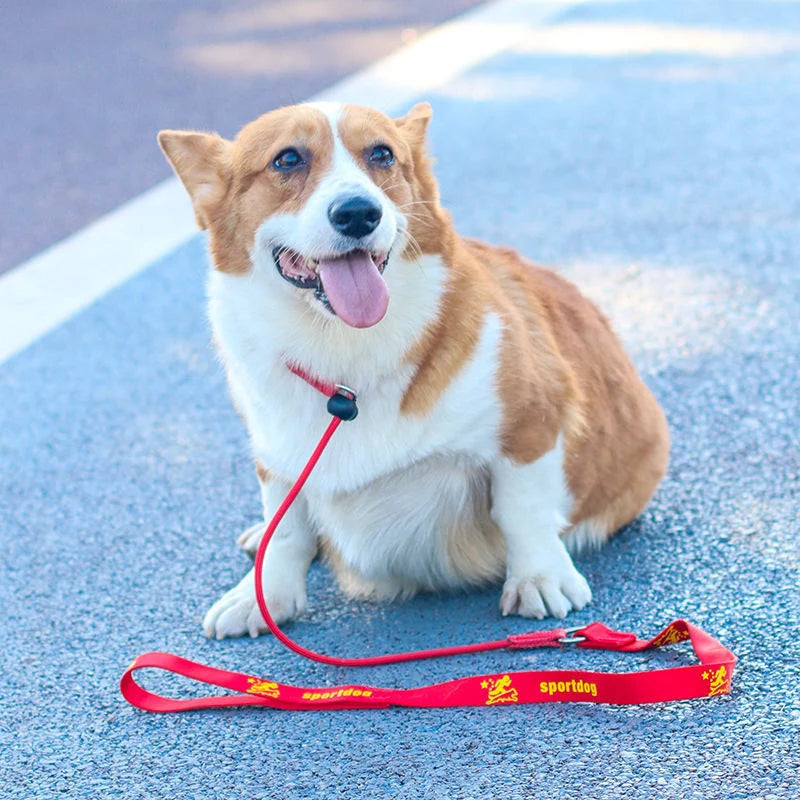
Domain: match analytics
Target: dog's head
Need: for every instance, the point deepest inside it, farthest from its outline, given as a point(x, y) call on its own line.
point(322, 194)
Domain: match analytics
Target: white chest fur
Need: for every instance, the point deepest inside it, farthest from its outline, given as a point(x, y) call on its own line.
point(257, 332)
point(390, 486)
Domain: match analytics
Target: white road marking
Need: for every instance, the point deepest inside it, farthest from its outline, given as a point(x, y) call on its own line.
point(48, 289)
point(64, 279)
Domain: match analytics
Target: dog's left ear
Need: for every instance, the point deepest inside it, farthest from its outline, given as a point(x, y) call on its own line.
point(414, 124)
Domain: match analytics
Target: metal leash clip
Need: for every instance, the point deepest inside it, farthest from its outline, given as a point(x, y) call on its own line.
point(570, 638)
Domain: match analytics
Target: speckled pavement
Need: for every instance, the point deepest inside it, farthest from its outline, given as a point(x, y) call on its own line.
point(650, 151)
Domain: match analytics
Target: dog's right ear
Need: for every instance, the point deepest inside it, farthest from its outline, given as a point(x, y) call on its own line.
point(202, 161)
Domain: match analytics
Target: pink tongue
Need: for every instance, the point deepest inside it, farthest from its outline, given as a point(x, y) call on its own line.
point(355, 288)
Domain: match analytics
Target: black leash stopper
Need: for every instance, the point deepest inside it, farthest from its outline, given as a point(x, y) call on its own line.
point(343, 404)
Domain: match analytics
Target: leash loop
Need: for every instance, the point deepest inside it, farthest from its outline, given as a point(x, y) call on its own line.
point(711, 677)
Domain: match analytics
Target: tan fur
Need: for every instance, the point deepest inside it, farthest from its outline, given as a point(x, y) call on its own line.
point(231, 185)
point(233, 190)
point(562, 370)
point(262, 472)
point(447, 344)
point(408, 182)
point(202, 162)
point(617, 443)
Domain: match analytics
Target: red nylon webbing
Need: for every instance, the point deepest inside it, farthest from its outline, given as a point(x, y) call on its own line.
point(712, 676)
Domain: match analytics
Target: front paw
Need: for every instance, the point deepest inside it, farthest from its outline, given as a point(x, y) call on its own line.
point(236, 613)
point(554, 593)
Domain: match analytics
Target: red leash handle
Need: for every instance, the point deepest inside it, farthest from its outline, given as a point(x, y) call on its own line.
point(712, 676)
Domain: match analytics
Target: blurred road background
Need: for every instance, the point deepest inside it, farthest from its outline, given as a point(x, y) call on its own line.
point(649, 150)
point(87, 85)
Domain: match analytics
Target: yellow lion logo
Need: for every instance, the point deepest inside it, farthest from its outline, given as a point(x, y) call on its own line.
point(268, 688)
point(670, 636)
point(719, 682)
point(500, 690)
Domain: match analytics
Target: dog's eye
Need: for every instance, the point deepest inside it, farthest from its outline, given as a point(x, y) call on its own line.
point(288, 159)
point(381, 155)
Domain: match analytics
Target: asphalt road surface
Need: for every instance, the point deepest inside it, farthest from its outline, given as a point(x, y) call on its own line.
point(87, 85)
point(649, 150)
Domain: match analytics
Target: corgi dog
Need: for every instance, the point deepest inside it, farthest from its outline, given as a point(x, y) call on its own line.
point(501, 424)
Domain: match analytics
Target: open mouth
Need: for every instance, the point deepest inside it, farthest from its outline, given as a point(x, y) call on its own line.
point(349, 285)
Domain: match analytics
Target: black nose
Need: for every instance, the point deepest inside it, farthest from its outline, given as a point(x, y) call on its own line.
point(354, 216)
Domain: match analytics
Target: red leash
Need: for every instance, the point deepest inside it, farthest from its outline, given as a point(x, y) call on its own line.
point(712, 676)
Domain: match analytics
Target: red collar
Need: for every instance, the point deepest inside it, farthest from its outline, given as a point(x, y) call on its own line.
point(341, 399)
point(328, 389)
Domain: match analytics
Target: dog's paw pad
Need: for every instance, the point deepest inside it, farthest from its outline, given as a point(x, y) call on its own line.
point(545, 595)
point(236, 613)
